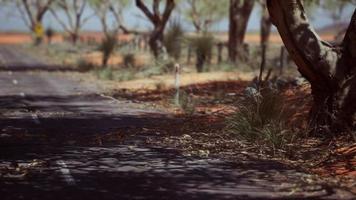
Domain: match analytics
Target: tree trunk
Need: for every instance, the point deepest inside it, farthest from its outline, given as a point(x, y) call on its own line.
point(38, 32)
point(158, 20)
point(331, 70)
point(74, 38)
point(266, 25)
point(240, 11)
point(201, 59)
point(105, 60)
point(220, 47)
point(156, 40)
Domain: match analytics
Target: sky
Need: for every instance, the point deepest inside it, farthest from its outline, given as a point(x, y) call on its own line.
point(10, 20)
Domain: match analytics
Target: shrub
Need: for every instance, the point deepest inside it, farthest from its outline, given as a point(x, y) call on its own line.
point(49, 34)
point(84, 66)
point(262, 119)
point(203, 46)
point(116, 75)
point(173, 39)
point(107, 47)
point(105, 74)
point(124, 75)
point(129, 60)
point(158, 67)
point(187, 103)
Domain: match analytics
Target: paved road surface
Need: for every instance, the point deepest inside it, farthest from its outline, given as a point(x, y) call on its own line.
point(43, 110)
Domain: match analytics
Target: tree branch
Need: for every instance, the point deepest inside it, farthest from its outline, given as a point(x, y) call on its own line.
point(29, 12)
point(43, 9)
point(170, 4)
point(145, 10)
point(60, 21)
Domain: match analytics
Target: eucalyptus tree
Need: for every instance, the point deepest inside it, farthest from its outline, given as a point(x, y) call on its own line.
point(202, 14)
point(334, 8)
point(266, 24)
point(111, 9)
point(240, 12)
point(158, 18)
point(75, 16)
point(330, 69)
point(32, 13)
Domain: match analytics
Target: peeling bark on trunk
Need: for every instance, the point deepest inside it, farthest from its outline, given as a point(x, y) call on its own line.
point(331, 70)
point(240, 11)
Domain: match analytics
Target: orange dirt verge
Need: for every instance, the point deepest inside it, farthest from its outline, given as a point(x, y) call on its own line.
point(20, 38)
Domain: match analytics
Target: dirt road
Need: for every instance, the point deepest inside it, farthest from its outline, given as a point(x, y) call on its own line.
point(44, 117)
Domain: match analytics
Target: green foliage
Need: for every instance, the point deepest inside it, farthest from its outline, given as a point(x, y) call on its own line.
point(115, 75)
point(187, 103)
point(129, 60)
point(335, 8)
point(84, 66)
point(173, 39)
point(158, 67)
point(203, 46)
point(104, 74)
point(107, 47)
point(204, 13)
point(262, 119)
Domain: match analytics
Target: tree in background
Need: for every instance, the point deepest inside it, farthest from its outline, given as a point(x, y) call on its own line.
point(329, 69)
point(334, 8)
point(32, 13)
point(105, 9)
point(174, 39)
point(74, 10)
point(266, 23)
point(240, 12)
point(159, 21)
point(49, 34)
point(204, 13)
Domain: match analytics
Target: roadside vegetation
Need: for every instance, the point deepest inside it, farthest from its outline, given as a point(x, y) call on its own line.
point(272, 108)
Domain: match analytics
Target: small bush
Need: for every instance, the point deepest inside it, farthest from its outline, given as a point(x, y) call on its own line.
point(129, 60)
point(124, 75)
point(173, 39)
point(84, 66)
point(107, 47)
point(116, 75)
point(262, 119)
point(160, 86)
point(105, 74)
point(158, 67)
point(203, 46)
point(49, 34)
point(187, 103)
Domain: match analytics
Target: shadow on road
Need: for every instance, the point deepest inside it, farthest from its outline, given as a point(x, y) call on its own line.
point(122, 172)
point(59, 119)
point(127, 171)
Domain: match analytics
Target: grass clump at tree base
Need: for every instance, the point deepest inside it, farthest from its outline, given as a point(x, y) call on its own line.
point(262, 119)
